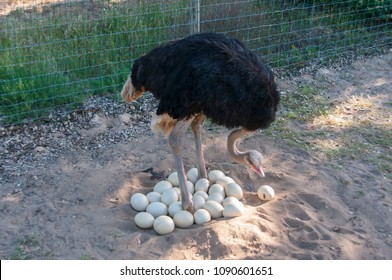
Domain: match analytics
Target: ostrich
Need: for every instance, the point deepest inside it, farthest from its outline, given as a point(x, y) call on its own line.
point(205, 76)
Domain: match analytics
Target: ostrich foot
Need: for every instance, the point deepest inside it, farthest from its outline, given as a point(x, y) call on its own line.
point(188, 206)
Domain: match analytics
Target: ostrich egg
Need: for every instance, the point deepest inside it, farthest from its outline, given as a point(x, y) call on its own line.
point(214, 208)
point(173, 179)
point(162, 186)
point(265, 192)
point(224, 181)
point(233, 189)
point(183, 219)
point(202, 216)
point(163, 225)
point(214, 175)
point(144, 220)
point(174, 208)
point(157, 209)
point(139, 202)
point(154, 196)
point(192, 175)
point(202, 185)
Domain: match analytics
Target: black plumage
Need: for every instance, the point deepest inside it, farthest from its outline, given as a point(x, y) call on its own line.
point(211, 74)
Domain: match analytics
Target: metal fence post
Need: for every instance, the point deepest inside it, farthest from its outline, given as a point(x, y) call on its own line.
point(194, 16)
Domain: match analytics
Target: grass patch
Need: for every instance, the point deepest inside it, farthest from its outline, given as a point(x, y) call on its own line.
point(341, 130)
point(305, 103)
point(65, 53)
point(86, 256)
point(25, 245)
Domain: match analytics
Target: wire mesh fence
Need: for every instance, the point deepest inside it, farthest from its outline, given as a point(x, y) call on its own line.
point(56, 53)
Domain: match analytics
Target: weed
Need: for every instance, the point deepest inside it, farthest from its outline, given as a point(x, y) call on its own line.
point(25, 246)
point(86, 256)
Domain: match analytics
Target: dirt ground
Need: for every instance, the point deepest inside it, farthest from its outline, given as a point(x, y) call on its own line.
point(66, 185)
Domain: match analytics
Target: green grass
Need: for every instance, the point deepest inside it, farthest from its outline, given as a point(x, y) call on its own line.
point(58, 56)
point(309, 120)
point(70, 55)
point(322, 30)
point(24, 247)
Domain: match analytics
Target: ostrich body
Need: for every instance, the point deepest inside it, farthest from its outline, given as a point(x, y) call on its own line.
point(205, 76)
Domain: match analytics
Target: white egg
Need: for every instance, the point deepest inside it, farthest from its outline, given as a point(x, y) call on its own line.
point(202, 216)
point(202, 185)
point(214, 175)
point(218, 197)
point(216, 188)
point(157, 209)
point(183, 219)
point(144, 220)
point(224, 181)
point(169, 196)
point(139, 202)
point(190, 187)
point(162, 186)
point(214, 208)
point(164, 225)
point(178, 191)
point(198, 201)
point(266, 193)
point(233, 210)
point(173, 179)
point(201, 193)
point(230, 199)
point(154, 196)
point(174, 208)
point(233, 189)
point(192, 175)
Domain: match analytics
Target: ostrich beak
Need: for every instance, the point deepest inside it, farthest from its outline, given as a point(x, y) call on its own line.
point(259, 171)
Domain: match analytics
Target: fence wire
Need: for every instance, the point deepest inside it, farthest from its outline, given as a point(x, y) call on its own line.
point(56, 53)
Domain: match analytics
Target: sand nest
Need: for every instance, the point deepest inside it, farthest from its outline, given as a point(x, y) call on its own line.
point(76, 205)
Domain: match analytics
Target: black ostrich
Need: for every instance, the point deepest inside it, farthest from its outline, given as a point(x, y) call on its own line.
point(205, 76)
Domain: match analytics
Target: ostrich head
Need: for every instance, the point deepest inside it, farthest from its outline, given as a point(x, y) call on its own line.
point(129, 93)
point(134, 86)
point(253, 159)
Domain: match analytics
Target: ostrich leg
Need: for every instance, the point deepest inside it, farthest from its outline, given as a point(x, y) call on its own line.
point(176, 145)
point(196, 128)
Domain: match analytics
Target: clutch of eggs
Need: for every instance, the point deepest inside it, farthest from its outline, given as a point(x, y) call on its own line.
point(215, 197)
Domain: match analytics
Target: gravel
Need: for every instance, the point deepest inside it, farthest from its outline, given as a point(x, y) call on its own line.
point(99, 123)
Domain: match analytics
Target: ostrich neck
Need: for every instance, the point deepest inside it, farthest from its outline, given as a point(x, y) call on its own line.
point(237, 155)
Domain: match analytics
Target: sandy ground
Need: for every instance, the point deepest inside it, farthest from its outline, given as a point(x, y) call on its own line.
point(75, 205)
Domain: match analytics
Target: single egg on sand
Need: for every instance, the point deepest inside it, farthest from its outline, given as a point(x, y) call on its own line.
point(265, 192)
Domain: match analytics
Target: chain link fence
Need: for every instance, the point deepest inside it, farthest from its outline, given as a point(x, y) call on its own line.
point(56, 53)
